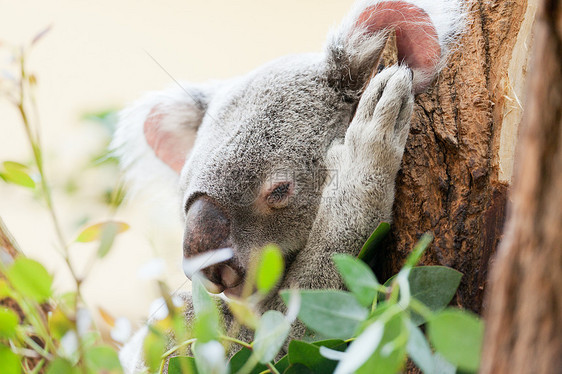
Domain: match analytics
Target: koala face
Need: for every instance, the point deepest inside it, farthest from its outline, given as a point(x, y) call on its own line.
point(258, 163)
point(251, 154)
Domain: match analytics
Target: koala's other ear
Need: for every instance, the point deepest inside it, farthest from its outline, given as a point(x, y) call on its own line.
point(423, 30)
point(157, 132)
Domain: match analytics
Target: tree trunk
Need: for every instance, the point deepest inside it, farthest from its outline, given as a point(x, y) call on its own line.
point(453, 182)
point(524, 317)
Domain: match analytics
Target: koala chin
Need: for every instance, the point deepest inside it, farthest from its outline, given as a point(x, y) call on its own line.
point(302, 152)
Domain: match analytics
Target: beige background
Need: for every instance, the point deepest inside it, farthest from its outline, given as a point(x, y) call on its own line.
point(93, 59)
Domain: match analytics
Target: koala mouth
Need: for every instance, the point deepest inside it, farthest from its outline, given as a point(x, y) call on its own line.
point(225, 278)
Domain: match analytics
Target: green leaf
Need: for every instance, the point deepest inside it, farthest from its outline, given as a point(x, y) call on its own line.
point(201, 299)
point(331, 343)
point(62, 366)
point(154, 346)
point(390, 355)
point(358, 278)
point(309, 355)
point(182, 365)
point(243, 313)
point(282, 364)
point(58, 323)
point(210, 357)
point(270, 269)
point(270, 335)
point(332, 313)
point(206, 326)
point(4, 289)
point(8, 322)
point(16, 173)
point(369, 248)
point(418, 349)
point(10, 361)
point(443, 366)
point(29, 278)
point(95, 232)
point(457, 335)
point(239, 360)
point(108, 234)
point(418, 250)
point(298, 369)
point(434, 286)
point(103, 359)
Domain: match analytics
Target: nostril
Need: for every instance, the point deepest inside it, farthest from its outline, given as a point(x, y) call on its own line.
point(207, 227)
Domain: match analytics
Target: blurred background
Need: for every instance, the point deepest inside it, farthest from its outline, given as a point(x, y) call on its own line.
point(94, 61)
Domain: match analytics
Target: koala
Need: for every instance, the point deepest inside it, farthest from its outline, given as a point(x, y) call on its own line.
point(302, 152)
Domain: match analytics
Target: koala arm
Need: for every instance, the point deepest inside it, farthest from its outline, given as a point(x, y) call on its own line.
point(365, 166)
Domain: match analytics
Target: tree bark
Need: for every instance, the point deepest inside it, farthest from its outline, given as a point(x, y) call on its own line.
point(449, 183)
point(524, 317)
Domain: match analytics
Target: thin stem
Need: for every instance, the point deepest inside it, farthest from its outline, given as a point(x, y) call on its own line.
point(272, 368)
point(37, 155)
point(420, 308)
point(36, 347)
point(177, 347)
point(234, 340)
point(38, 367)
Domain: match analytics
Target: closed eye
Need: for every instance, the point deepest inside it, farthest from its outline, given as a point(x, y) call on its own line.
point(279, 195)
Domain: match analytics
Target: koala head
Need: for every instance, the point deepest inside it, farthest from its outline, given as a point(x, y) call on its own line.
point(249, 153)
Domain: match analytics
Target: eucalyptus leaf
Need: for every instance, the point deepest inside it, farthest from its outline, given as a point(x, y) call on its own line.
point(332, 313)
point(19, 177)
point(8, 322)
point(282, 364)
point(61, 366)
point(270, 335)
point(108, 234)
point(182, 365)
point(442, 366)
point(369, 248)
point(309, 355)
point(95, 232)
point(206, 326)
point(30, 278)
point(387, 356)
point(210, 357)
point(418, 250)
point(434, 286)
point(270, 269)
point(154, 345)
point(243, 313)
point(239, 360)
point(103, 359)
point(298, 369)
point(418, 349)
point(457, 335)
point(358, 278)
point(10, 362)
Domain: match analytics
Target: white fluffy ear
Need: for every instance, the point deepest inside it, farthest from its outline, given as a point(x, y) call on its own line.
point(155, 134)
point(424, 29)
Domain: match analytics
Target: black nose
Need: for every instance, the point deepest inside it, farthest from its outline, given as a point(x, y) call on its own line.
point(206, 227)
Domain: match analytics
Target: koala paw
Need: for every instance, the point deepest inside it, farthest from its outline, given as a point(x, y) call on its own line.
point(379, 130)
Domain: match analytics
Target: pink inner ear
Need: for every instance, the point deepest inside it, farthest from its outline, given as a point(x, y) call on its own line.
point(168, 146)
point(416, 38)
